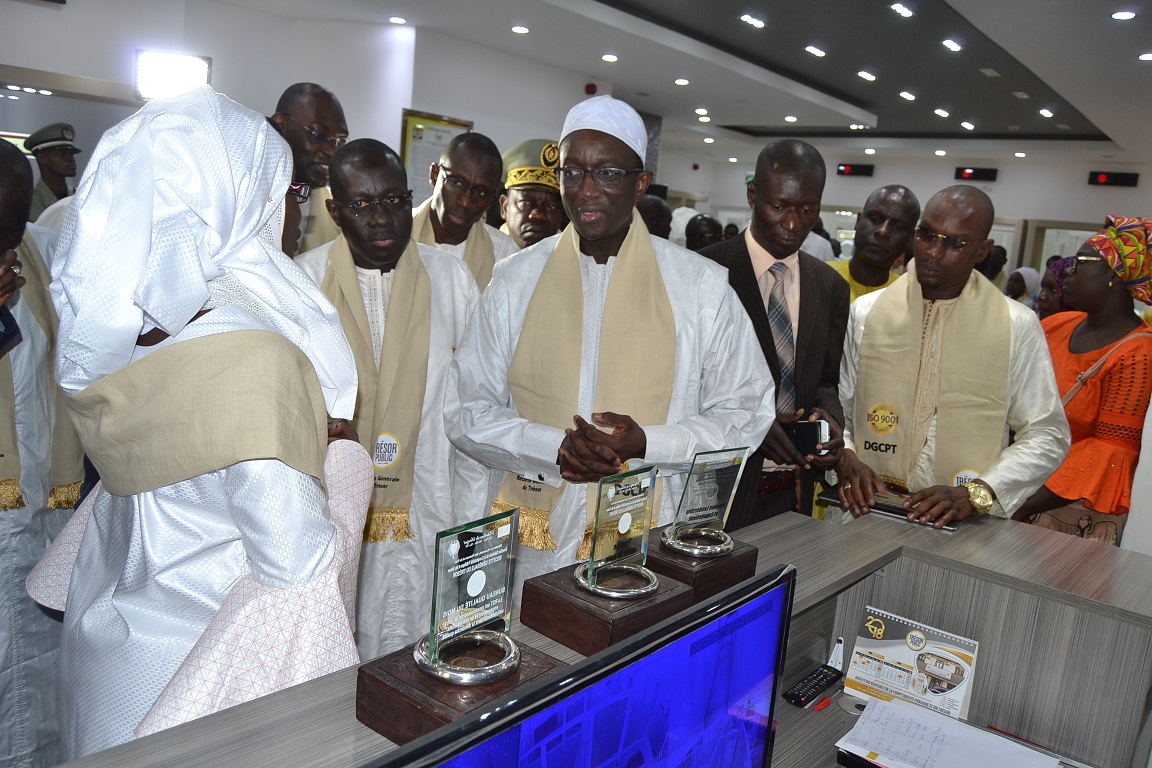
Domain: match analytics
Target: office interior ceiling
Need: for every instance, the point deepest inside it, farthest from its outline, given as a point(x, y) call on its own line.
point(1068, 56)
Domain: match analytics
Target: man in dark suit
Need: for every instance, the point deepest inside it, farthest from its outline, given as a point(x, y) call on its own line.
point(799, 309)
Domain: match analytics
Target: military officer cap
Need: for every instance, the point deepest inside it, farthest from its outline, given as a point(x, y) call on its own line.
point(532, 163)
point(52, 136)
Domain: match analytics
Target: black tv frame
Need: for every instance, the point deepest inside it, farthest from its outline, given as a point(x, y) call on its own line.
point(507, 711)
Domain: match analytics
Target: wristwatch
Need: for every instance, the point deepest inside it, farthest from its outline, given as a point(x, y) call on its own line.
point(979, 497)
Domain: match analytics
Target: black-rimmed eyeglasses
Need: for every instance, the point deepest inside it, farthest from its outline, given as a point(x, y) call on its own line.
point(605, 178)
point(299, 190)
point(389, 204)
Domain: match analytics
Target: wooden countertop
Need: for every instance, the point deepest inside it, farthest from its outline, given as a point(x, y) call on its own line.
point(315, 723)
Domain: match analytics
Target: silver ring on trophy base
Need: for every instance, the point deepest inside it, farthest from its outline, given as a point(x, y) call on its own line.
point(651, 582)
point(723, 545)
point(455, 675)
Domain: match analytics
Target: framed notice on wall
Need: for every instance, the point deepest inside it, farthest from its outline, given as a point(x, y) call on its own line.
point(423, 138)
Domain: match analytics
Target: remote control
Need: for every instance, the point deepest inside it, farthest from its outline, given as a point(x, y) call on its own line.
point(809, 689)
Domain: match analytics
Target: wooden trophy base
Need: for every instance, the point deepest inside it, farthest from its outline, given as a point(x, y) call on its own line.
point(707, 576)
point(555, 606)
point(399, 701)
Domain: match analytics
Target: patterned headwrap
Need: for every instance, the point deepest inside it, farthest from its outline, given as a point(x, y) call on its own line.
point(1059, 270)
point(1124, 243)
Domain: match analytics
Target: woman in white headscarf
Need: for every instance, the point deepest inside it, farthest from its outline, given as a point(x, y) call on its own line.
point(200, 363)
point(1023, 286)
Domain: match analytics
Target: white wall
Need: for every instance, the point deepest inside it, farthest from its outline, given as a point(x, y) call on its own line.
point(1025, 188)
point(508, 98)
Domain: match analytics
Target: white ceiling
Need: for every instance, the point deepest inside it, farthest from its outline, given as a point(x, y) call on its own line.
point(1073, 45)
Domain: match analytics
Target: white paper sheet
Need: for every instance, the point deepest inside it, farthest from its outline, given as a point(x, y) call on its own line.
point(897, 734)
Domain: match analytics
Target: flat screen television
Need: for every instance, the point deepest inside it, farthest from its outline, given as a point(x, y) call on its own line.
point(695, 691)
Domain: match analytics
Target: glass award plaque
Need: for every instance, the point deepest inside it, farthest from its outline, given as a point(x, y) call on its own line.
point(472, 602)
point(698, 528)
point(623, 519)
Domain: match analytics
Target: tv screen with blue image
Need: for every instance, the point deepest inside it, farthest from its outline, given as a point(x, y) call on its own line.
point(696, 691)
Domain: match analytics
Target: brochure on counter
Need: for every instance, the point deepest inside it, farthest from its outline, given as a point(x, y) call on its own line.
point(899, 658)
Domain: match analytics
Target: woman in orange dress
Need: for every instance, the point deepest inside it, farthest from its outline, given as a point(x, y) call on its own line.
point(1109, 348)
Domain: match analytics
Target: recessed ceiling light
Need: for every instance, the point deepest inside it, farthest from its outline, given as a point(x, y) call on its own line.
point(701, 111)
point(940, 153)
point(611, 58)
point(1046, 113)
point(29, 90)
point(1021, 154)
point(790, 118)
point(704, 119)
point(906, 95)
point(45, 93)
point(520, 30)
point(968, 125)
point(1146, 57)
point(1021, 95)
point(750, 19)
point(398, 20)
point(869, 151)
point(989, 72)
point(1124, 15)
point(951, 45)
point(733, 160)
point(942, 113)
point(709, 140)
point(12, 87)
point(814, 50)
point(866, 75)
point(13, 97)
point(681, 81)
point(900, 9)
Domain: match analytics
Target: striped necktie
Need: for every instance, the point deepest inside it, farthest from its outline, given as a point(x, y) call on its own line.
point(781, 324)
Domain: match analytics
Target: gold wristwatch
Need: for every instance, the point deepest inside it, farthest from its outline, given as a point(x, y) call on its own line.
point(979, 497)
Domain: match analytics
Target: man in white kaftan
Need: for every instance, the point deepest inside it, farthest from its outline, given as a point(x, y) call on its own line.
point(157, 562)
point(372, 207)
point(31, 510)
point(967, 378)
point(718, 394)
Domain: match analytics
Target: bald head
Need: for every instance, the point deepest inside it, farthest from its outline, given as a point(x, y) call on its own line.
point(657, 215)
point(363, 153)
point(792, 156)
point(15, 194)
point(475, 144)
point(951, 240)
point(969, 201)
point(785, 195)
point(883, 232)
point(311, 120)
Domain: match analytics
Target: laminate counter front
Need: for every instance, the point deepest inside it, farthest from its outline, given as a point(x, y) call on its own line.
point(991, 579)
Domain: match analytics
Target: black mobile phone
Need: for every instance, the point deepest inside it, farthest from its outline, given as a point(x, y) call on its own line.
point(806, 435)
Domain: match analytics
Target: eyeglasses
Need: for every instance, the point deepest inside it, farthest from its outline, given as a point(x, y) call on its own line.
point(320, 138)
point(300, 191)
point(458, 186)
point(605, 178)
point(390, 204)
point(1074, 264)
point(951, 242)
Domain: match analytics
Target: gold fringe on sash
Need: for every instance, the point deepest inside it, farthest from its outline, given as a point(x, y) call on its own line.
point(533, 531)
point(64, 496)
point(384, 520)
point(11, 497)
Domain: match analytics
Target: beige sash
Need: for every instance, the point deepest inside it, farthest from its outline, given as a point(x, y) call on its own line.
point(972, 401)
point(636, 360)
point(200, 405)
point(67, 467)
point(319, 227)
point(390, 400)
point(478, 252)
